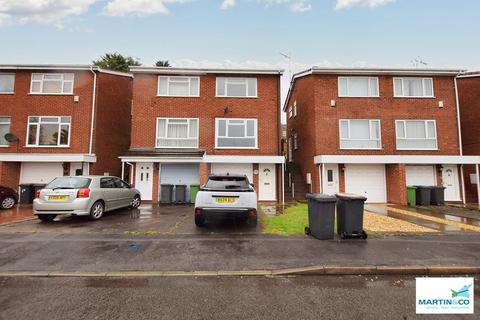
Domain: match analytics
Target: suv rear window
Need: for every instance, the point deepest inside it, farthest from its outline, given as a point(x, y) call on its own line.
point(227, 183)
point(69, 183)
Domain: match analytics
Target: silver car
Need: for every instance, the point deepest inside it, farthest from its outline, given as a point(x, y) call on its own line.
point(84, 196)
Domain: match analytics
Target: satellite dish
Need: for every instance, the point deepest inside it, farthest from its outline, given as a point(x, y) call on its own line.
point(11, 137)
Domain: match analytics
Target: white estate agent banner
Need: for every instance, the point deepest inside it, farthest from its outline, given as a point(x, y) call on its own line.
point(444, 295)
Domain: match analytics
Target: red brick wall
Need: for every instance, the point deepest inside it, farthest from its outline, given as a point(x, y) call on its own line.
point(10, 174)
point(21, 104)
point(469, 101)
point(112, 122)
point(396, 183)
point(147, 107)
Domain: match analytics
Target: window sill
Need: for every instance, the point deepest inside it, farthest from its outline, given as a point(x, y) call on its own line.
point(7, 93)
point(232, 148)
point(415, 97)
point(4, 146)
point(418, 149)
point(164, 96)
point(56, 147)
point(49, 94)
point(361, 148)
point(237, 97)
point(360, 97)
point(157, 147)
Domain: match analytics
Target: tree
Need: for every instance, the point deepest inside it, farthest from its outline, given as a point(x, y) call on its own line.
point(162, 63)
point(116, 61)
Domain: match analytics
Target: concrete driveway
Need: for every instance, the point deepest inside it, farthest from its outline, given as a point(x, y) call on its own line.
point(149, 219)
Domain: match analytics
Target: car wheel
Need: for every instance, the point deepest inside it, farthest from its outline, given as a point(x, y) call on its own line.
point(252, 221)
point(46, 217)
point(8, 203)
point(96, 211)
point(136, 202)
point(199, 221)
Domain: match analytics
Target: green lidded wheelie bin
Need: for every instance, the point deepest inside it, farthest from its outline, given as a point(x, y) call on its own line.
point(193, 192)
point(412, 196)
point(321, 216)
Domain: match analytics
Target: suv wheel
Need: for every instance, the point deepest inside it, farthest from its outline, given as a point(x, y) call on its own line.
point(8, 203)
point(96, 211)
point(252, 221)
point(199, 221)
point(46, 217)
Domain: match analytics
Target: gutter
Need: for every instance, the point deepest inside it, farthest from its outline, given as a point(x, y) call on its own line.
point(94, 100)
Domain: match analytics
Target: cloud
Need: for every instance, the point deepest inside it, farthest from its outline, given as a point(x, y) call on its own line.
point(56, 12)
point(345, 4)
point(226, 4)
point(300, 6)
point(138, 8)
point(294, 5)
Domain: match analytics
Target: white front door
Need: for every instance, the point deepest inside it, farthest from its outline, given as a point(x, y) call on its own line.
point(330, 184)
point(144, 179)
point(450, 182)
point(266, 181)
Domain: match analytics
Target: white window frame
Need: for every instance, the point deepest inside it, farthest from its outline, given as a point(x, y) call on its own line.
point(426, 133)
point(295, 141)
point(175, 79)
point(348, 87)
point(37, 145)
point(295, 109)
point(236, 78)
point(9, 74)
point(166, 130)
point(290, 112)
point(9, 123)
point(245, 124)
point(370, 121)
point(43, 79)
point(423, 88)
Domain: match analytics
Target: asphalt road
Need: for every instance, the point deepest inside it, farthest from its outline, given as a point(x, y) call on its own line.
point(323, 297)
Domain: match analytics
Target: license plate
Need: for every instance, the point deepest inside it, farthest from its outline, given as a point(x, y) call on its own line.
point(225, 200)
point(57, 198)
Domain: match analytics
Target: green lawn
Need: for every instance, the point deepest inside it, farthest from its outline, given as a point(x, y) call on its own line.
point(292, 222)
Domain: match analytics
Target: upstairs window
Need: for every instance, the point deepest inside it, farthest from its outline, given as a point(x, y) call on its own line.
point(48, 131)
point(295, 141)
point(358, 87)
point(236, 133)
point(290, 112)
point(52, 83)
point(177, 133)
point(416, 134)
point(237, 87)
point(7, 83)
point(360, 134)
point(179, 86)
point(413, 87)
point(295, 108)
point(4, 129)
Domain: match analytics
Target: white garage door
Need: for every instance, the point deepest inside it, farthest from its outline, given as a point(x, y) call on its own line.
point(233, 168)
point(420, 175)
point(180, 174)
point(40, 172)
point(366, 180)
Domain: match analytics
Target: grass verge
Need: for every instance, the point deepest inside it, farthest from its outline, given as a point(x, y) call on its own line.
point(292, 222)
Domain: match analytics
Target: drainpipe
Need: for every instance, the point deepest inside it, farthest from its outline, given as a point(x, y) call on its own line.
point(94, 98)
point(478, 183)
point(458, 118)
point(283, 184)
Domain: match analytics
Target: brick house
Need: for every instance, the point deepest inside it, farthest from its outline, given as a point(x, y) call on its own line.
point(189, 123)
point(469, 100)
point(375, 131)
point(62, 120)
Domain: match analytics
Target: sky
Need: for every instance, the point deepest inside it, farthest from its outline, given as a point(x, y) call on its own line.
point(245, 33)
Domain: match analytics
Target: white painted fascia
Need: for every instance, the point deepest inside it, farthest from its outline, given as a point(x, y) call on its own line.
point(200, 71)
point(243, 159)
point(161, 159)
point(48, 157)
point(63, 67)
point(389, 159)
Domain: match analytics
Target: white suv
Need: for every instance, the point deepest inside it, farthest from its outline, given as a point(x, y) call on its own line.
point(230, 195)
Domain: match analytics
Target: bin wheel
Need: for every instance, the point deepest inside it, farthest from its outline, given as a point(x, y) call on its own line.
point(308, 231)
point(364, 235)
point(343, 235)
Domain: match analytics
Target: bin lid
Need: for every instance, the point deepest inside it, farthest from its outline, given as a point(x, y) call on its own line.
point(349, 196)
point(439, 187)
point(425, 187)
point(411, 187)
point(321, 197)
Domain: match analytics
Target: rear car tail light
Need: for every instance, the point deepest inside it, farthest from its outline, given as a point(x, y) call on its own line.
point(198, 211)
point(37, 193)
point(252, 213)
point(83, 193)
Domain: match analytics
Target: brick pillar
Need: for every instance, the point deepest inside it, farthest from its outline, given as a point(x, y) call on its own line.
point(438, 172)
point(10, 174)
point(204, 172)
point(341, 177)
point(155, 179)
point(396, 183)
point(255, 178)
